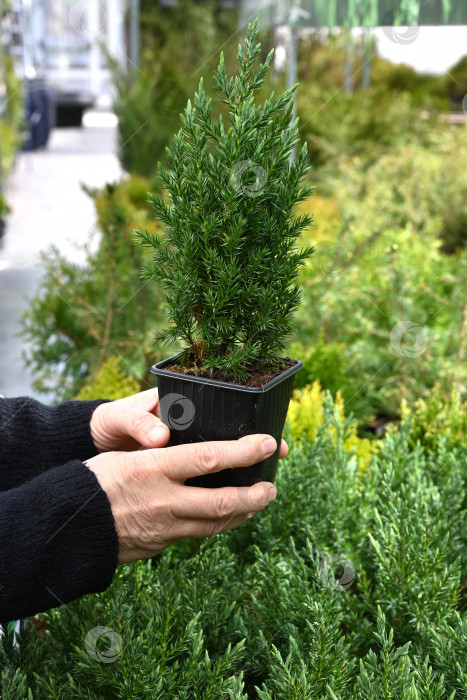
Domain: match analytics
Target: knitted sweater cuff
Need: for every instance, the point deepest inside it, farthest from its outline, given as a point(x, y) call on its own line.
point(58, 541)
point(35, 438)
point(68, 431)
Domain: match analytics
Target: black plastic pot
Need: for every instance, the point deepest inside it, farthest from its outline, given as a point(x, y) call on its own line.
point(198, 409)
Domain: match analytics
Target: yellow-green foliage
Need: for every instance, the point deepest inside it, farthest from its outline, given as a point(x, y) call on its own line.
point(306, 415)
point(327, 219)
point(11, 122)
point(8, 138)
point(109, 382)
point(131, 194)
point(437, 415)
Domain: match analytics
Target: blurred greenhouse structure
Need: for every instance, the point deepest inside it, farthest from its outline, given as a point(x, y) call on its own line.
point(61, 47)
point(353, 13)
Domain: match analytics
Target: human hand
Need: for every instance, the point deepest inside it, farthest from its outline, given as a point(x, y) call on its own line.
point(153, 508)
point(134, 422)
point(129, 424)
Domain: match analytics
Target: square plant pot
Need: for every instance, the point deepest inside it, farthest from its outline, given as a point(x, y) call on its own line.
point(198, 409)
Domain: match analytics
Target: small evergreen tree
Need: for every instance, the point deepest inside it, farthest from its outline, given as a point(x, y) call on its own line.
point(228, 262)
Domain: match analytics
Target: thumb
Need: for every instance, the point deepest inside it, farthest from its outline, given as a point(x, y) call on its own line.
point(141, 425)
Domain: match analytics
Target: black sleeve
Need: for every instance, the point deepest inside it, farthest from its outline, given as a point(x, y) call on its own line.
point(34, 437)
point(57, 534)
point(57, 541)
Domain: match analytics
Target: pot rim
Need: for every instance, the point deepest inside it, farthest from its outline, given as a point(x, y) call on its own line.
point(158, 369)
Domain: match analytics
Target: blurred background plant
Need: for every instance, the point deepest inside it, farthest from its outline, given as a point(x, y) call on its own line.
point(180, 43)
point(85, 315)
point(390, 209)
point(391, 248)
point(11, 119)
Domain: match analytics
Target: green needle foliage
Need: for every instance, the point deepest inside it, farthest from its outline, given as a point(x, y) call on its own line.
point(267, 611)
point(228, 261)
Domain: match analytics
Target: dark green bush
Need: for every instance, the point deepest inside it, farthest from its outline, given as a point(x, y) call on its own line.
point(349, 585)
point(332, 365)
point(424, 90)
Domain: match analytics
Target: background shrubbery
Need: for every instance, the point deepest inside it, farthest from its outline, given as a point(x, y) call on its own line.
point(11, 124)
point(11, 118)
point(83, 316)
point(180, 44)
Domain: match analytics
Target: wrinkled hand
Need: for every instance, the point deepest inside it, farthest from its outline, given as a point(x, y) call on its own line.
point(151, 505)
point(134, 422)
point(128, 424)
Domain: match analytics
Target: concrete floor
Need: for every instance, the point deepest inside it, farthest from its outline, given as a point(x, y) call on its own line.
point(48, 207)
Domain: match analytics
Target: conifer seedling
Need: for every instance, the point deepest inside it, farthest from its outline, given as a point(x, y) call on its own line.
point(228, 261)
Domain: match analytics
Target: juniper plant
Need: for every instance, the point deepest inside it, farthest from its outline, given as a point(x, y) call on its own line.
point(252, 613)
point(228, 260)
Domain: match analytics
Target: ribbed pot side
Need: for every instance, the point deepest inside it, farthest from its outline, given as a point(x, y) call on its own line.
point(197, 409)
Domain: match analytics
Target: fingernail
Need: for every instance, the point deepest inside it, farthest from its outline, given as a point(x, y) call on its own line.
point(269, 446)
point(155, 434)
point(272, 494)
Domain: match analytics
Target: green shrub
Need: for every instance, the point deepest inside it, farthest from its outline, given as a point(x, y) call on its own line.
point(11, 121)
point(437, 417)
point(332, 365)
point(367, 124)
point(306, 416)
point(425, 90)
point(425, 187)
point(82, 316)
point(4, 208)
point(323, 361)
point(342, 588)
point(177, 43)
point(384, 264)
point(324, 59)
point(456, 82)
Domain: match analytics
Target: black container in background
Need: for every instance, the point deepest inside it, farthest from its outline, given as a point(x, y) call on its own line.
point(198, 409)
point(40, 113)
